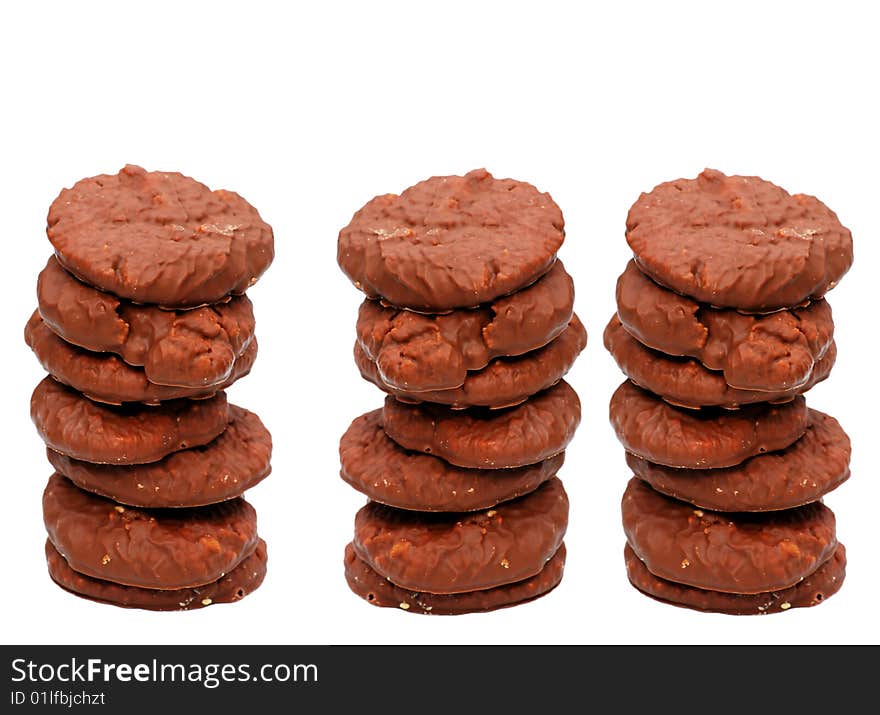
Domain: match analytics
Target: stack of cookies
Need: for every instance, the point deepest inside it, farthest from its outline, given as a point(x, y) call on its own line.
point(468, 326)
point(721, 326)
point(142, 323)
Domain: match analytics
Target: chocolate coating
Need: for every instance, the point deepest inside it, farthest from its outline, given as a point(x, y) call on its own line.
point(770, 353)
point(375, 465)
point(417, 352)
point(379, 591)
point(244, 579)
point(735, 553)
point(456, 553)
point(163, 549)
point(159, 237)
point(128, 434)
point(799, 474)
point(451, 242)
point(702, 439)
point(222, 469)
point(479, 438)
point(738, 241)
point(504, 381)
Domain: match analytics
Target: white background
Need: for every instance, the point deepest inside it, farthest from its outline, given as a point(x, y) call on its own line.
point(308, 113)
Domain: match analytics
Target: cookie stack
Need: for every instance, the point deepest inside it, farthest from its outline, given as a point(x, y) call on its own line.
point(469, 327)
point(142, 323)
point(721, 326)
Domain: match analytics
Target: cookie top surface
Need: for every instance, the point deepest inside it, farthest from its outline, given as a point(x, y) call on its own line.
point(164, 549)
point(738, 242)
point(451, 242)
point(734, 553)
point(159, 237)
point(455, 553)
point(377, 466)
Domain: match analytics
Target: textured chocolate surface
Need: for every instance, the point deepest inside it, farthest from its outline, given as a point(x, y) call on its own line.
point(455, 553)
point(504, 381)
point(770, 353)
point(128, 434)
point(738, 241)
point(105, 377)
point(159, 237)
point(735, 553)
point(418, 352)
point(222, 469)
point(481, 438)
point(164, 549)
point(375, 465)
point(802, 473)
point(238, 583)
point(195, 348)
point(379, 591)
point(451, 242)
point(702, 439)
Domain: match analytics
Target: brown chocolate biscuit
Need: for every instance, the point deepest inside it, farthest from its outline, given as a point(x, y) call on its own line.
point(480, 438)
point(504, 381)
point(451, 242)
point(702, 439)
point(820, 585)
point(105, 377)
point(770, 353)
point(164, 549)
point(799, 474)
point(456, 553)
point(244, 579)
point(222, 469)
point(735, 553)
point(159, 237)
point(417, 352)
point(374, 464)
point(195, 348)
point(128, 434)
point(686, 382)
point(379, 591)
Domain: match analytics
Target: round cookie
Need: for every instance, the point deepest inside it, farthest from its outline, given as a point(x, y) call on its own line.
point(702, 439)
point(128, 434)
point(243, 580)
point(537, 429)
point(799, 474)
point(686, 382)
point(195, 348)
point(504, 382)
point(222, 469)
point(159, 237)
point(456, 553)
point(379, 591)
point(738, 242)
point(105, 377)
point(820, 585)
point(149, 549)
point(770, 353)
point(376, 466)
point(417, 352)
point(451, 242)
point(734, 553)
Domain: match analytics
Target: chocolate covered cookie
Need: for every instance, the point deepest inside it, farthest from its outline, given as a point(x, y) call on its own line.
point(480, 438)
point(451, 242)
point(159, 237)
point(128, 434)
point(734, 553)
point(377, 466)
point(738, 242)
point(702, 439)
point(457, 553)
